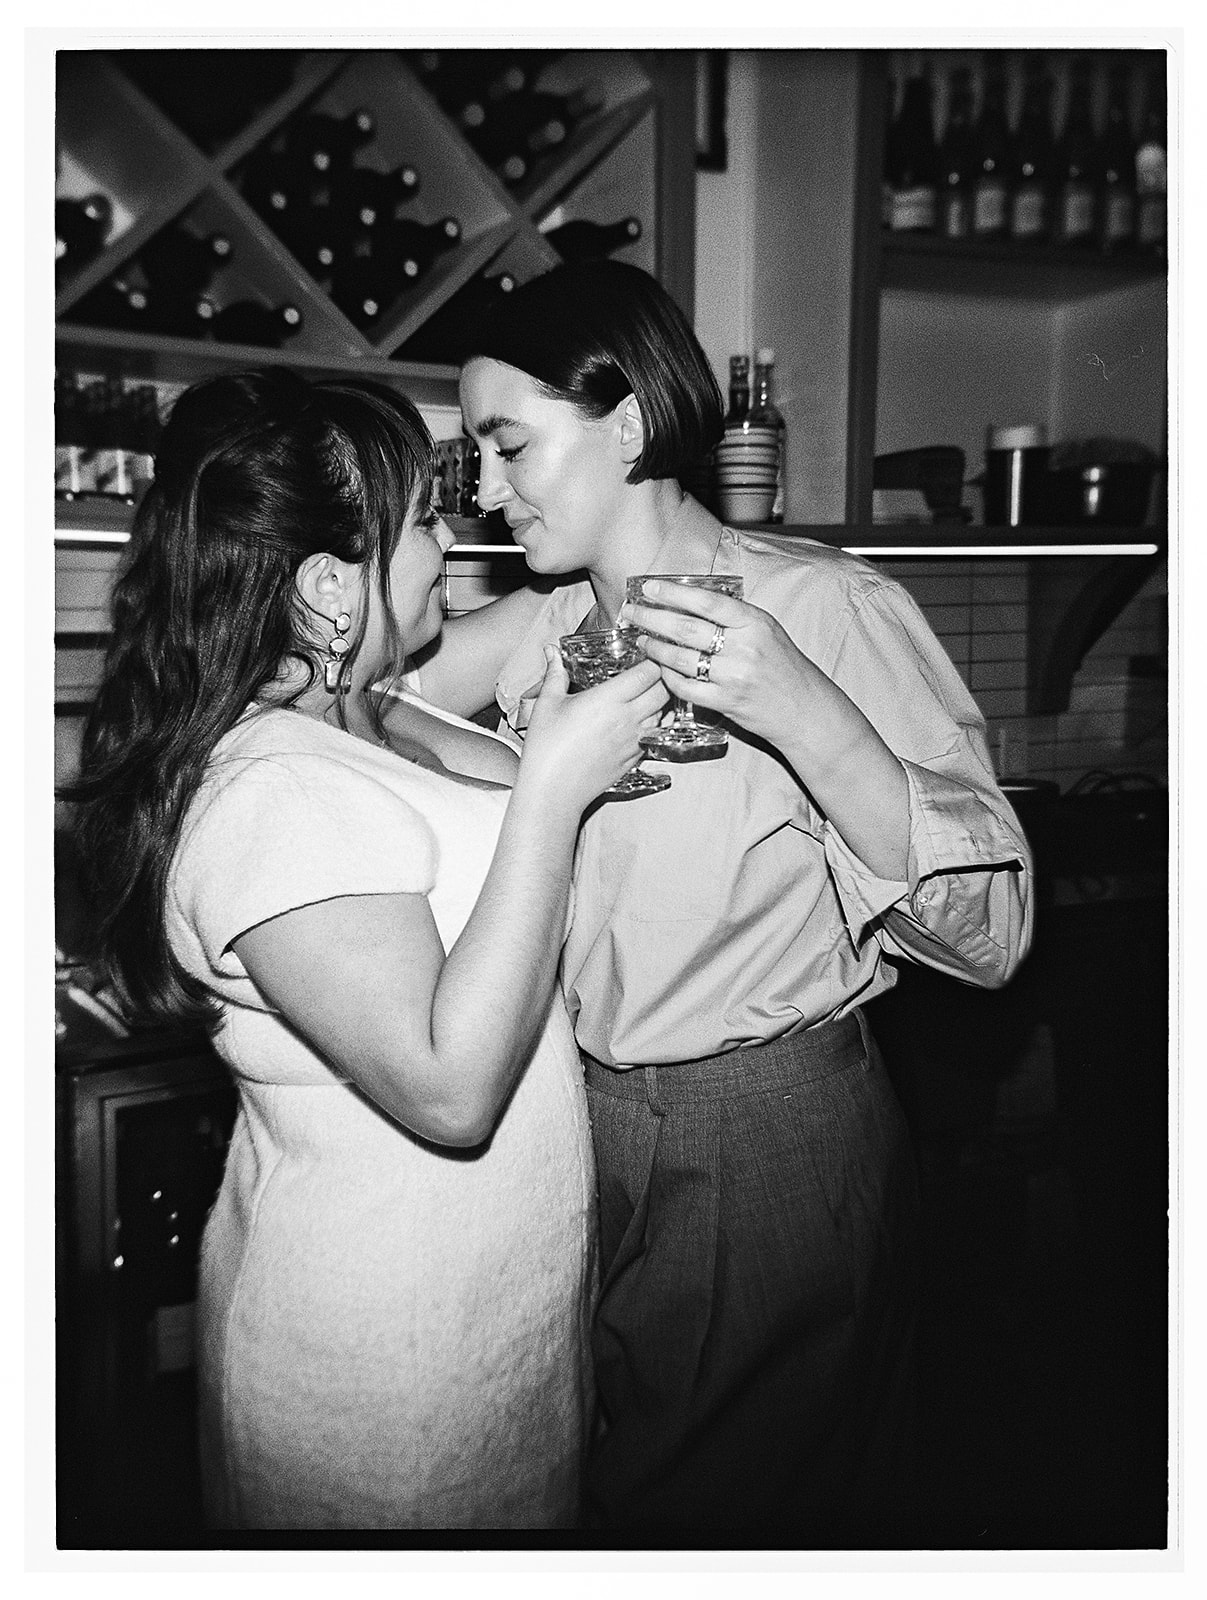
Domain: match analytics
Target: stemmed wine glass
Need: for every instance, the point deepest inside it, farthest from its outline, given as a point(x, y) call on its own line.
point(684, 733)
point(590, 658)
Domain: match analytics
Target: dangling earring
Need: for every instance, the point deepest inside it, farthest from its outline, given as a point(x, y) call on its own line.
point(336, 651)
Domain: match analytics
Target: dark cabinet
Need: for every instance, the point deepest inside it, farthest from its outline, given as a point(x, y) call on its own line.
point(142, 1128)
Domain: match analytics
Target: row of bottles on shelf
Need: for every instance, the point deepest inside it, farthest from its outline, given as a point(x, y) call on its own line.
point(494, 97)
point(105, 437)
point(168, 287)
point(1088, 182)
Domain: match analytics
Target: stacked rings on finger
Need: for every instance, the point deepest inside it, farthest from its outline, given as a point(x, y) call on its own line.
point(703, 666)
point(717, 643)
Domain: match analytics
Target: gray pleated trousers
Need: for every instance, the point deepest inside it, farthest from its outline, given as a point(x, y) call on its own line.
point(754, 1336)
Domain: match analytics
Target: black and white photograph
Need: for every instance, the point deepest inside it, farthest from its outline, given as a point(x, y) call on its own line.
point(612, 795)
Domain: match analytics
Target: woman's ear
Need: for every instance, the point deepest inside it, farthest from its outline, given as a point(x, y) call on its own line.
point(328, 585)
point(632, 429)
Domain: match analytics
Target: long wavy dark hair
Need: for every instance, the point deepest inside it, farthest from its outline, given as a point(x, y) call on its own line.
point(255, 472)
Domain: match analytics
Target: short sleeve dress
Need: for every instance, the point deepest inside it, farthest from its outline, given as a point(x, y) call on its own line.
point(391, 1334)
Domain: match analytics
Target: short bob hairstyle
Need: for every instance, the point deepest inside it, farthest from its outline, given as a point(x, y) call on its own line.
point(594, 332)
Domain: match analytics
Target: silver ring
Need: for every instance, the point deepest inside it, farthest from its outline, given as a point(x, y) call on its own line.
point(717, 643)
point(703, 667)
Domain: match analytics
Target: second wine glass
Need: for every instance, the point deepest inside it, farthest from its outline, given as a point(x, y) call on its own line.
point(684, 734)
point(593, 656)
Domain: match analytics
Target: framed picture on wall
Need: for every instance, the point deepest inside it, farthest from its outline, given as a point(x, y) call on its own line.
point(712, 78)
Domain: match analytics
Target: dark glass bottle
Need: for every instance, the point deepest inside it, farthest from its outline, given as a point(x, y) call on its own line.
point(583, 240)
point(512, 133)
point(1034, 156)
point(1078, 163)
point(913, 161)
point(739, 390)
point(990, 205)
point(447, 335)
point(319, 142)
point(1117, 211)
point(178, 263)
point(957, 160)
point(272, 186)
point(116, 303)
point(255, 323)
point(81, 228)
point(405, 240)
point(1151, 168)
point(764, 413)
point(367, 197)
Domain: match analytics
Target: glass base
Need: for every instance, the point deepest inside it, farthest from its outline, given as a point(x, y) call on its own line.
point(637, 781)
point(674, 740)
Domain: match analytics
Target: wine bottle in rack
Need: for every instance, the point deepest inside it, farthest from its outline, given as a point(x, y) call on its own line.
point(1078, 163)
point(518, 129)
point(990, 202)
point(957, 162)
point(913, 170)
point(322, 143)
point(447, 334)
point(117, 303)
point(366, 197)
point(1152, 168)
point(1034, 157)
point(416, 245)
point(177, 262)
point(1117, 220)
point(255, 323)
point(273, 187)
point(81, 228)
point(583, 240)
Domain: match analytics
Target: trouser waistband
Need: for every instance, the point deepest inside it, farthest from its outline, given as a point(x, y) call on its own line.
point(794, 1058)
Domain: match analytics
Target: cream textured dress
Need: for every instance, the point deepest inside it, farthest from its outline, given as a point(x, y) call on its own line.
point(391, 1334)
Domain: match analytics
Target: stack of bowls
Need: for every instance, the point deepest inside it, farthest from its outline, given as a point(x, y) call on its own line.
point(746, 465)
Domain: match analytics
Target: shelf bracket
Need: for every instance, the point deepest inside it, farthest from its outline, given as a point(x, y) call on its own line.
point(1072, 600)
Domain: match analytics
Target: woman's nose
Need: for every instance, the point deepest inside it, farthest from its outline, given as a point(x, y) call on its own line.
point(493, 487)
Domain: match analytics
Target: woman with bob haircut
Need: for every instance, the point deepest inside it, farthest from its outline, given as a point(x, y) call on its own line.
point(395, 1279)
point(757, 1193)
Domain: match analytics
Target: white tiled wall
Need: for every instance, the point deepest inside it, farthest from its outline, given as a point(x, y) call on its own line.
point(1116, 721)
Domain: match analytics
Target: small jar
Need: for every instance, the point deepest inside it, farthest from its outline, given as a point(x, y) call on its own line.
point(1016, 475)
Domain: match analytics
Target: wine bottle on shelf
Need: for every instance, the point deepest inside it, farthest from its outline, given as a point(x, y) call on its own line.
point(255, 323)
point(273, 187)
point(1034, 157)
point(413, 246)
point(739, 390)
point(1117, 221)
point(957, 159)
point(1152, 168)
point(116, 303)
point(990, 201)
point(913, 171)
point(583, 240)
point(178, 263)
point(1078, 163)
point(366, 197)
point(320, 142)
point(764, 413)
point(524, 126)
point(447, 334)
point(81, 228)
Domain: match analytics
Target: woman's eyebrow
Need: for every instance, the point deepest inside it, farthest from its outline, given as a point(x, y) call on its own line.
point(492, 424)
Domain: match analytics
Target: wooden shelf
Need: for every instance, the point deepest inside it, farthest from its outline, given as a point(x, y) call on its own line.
point(1006, 269)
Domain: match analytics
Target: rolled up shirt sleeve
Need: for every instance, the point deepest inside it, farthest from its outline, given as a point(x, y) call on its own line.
point(967, 905)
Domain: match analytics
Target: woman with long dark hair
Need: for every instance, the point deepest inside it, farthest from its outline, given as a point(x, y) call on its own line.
point(753, 1337)
point(396, 1276)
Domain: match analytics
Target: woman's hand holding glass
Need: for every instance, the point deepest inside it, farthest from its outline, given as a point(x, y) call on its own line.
point(580, 745)
point(723, 654)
